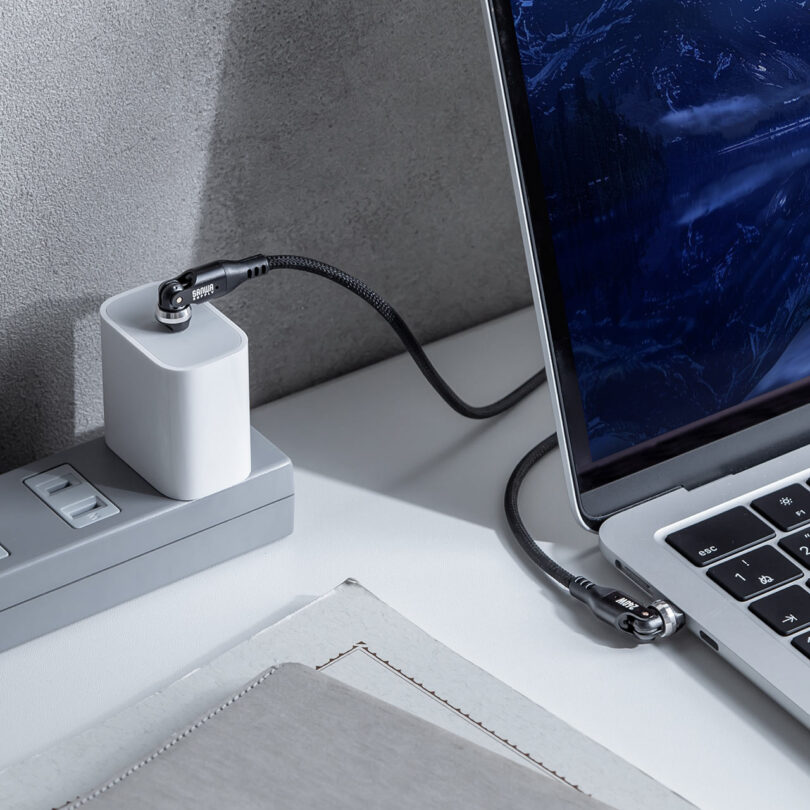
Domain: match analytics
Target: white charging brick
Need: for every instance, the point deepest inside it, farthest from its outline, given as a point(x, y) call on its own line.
point(176, 404)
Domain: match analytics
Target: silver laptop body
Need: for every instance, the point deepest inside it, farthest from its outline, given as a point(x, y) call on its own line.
point(741, 466)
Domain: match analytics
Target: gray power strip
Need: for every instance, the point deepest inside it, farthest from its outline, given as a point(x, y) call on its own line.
point(81, 531)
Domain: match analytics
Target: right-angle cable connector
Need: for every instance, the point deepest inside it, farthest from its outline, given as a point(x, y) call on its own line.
point(204, 283)
point(657, 620)
point(660, 619)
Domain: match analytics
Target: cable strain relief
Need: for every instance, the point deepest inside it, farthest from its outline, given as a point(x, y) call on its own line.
point(248, 268)
point(580, 587)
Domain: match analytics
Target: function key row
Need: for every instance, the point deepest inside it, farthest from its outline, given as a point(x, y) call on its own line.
point(738, 528)
point(787, 508)
point(720, 536)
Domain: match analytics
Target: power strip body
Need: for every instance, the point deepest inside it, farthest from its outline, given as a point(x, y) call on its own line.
point(54, 573)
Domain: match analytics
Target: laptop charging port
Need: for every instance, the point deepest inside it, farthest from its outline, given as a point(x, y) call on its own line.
point(632, 575)
point(710, 641)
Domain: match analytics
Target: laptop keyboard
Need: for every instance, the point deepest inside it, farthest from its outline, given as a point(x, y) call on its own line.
point(756, 575)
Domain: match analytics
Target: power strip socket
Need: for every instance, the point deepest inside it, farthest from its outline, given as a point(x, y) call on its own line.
point(73, 498)
point(82, 531)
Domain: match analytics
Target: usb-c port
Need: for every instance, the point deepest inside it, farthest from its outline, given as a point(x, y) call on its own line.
point(710, 641)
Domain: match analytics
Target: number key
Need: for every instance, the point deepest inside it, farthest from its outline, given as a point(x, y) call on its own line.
point(798, 546)
point(756, 572)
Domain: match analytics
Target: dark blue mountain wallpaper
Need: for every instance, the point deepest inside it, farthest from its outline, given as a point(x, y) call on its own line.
point(673, 138)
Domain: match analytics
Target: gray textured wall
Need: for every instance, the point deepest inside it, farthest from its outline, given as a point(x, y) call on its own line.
point(138, 139)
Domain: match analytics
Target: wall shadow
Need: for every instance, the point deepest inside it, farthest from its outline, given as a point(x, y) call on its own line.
point(353, 133)
point(38, 373)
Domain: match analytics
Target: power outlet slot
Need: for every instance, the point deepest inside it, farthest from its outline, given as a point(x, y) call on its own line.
point(71, 496)
point(61, 482)
point(84, 507)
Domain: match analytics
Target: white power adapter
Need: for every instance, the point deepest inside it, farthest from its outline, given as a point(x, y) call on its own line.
point(182, 483)
point(176, 404)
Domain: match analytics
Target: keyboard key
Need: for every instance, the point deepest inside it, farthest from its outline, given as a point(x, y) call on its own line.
point(786, 611)
point(721, 535)
point(760, 570)
point(787, 508)
point(802, 642)
point(798, 546)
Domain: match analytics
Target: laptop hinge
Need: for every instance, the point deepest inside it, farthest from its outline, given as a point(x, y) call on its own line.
point(695, 468)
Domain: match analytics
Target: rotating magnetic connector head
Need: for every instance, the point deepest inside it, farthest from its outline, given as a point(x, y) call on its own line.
point(174, 320)
point(173, 306)
point(204, 283)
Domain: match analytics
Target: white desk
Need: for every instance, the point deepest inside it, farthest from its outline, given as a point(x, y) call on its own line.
point(396, 490)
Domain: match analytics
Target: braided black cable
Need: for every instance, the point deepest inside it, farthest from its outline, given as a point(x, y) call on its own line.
point(516, 524)
point(411, 344)
point(407, 337)
point(216, 279)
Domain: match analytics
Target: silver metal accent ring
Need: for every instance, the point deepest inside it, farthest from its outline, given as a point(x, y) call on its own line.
point(671, 617)
point(172, 318)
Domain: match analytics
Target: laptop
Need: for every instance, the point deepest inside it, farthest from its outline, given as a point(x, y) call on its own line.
point(660, 152)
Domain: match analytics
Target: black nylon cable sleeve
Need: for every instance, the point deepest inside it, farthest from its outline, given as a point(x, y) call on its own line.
point(255, 266)
point(408, 339)
point(413, 347)
point(519, 530)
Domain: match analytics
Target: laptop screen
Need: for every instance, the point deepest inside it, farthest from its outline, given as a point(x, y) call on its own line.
point(672, 143)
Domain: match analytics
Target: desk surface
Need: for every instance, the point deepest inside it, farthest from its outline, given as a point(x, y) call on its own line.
point(394, 489)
